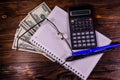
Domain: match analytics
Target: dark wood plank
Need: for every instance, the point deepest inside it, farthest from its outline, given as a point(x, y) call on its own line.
point(19, 65)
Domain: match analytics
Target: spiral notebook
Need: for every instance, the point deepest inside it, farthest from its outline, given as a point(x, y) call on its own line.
point(47, 39)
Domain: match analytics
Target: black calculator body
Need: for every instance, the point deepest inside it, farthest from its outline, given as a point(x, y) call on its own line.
point(82, 31)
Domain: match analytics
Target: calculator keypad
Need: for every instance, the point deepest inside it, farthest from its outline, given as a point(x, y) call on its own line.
point(83, 33)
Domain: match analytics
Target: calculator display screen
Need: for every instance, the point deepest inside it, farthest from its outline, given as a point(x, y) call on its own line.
point(80, 12)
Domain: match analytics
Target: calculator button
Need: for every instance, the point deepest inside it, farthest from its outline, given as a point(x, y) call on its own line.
point(79, 41)
point(76, 25)
point(92, 36)
point(88, 44)
point(92, 40)
point(83, 37)
point(74, 41)
point(93, 44)
point(76, 28)
point(74, 34)
point(80, 28)
point(87, 36)
point(91, 32)
point(86, 22)
point(78, 33)
point(90, 19)
point(76, 22)
point(79, 22)
point(84, 44)
point(82, 33)
point(79, 45)
point(74, 37)
point(72, 21)
point(83, 41)
point(75, 45)
point(78, 37)
point(87, 32)
point(88, 40)
point(72, 26)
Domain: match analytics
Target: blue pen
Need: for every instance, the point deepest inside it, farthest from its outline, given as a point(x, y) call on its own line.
point(92, 51)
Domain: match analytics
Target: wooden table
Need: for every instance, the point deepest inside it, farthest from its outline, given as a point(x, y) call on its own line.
point(19, 65)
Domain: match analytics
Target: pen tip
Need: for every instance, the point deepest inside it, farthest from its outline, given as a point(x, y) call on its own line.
point(69, 59)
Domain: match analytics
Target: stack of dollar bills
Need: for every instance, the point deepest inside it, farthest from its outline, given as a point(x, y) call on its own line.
point(33, 19)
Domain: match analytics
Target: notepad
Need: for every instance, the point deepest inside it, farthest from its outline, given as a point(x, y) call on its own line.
point(46, 38)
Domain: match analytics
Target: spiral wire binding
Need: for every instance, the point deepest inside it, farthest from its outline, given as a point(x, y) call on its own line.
point(52, 55)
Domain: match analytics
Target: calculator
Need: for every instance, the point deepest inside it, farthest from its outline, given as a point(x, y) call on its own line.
point(82, 31)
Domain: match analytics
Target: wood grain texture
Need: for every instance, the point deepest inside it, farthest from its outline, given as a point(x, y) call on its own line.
point(18, 65)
